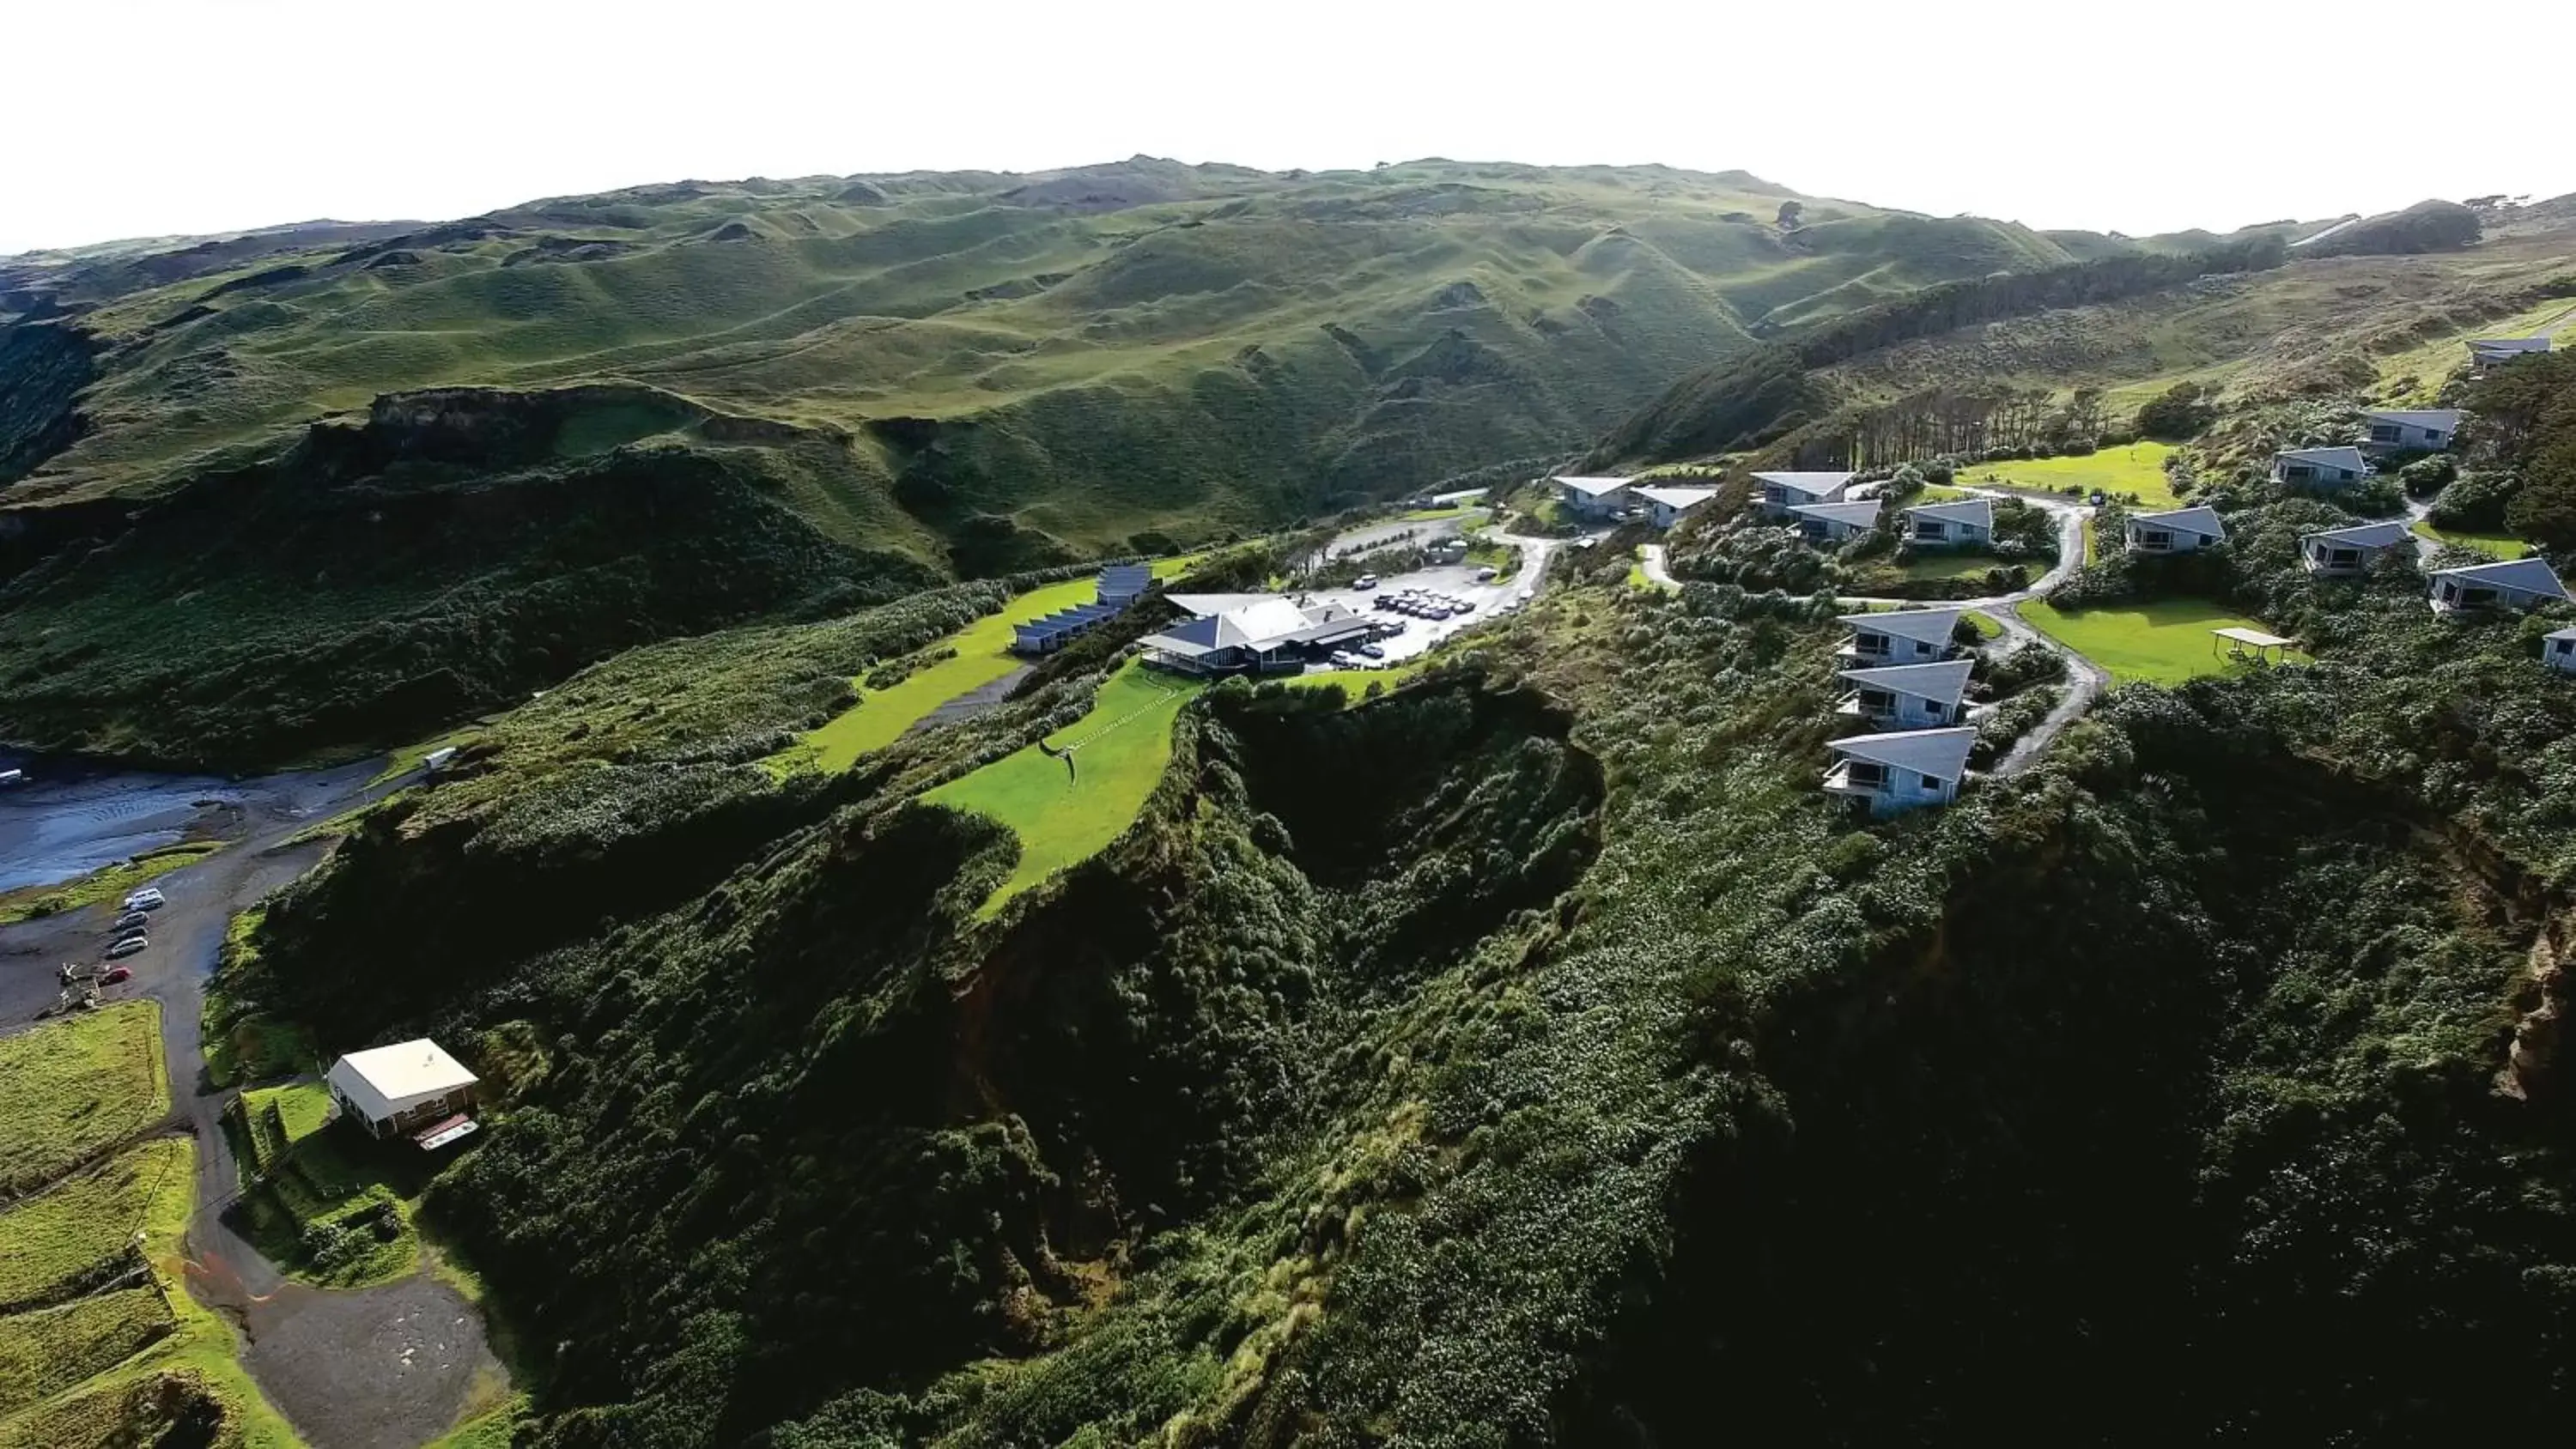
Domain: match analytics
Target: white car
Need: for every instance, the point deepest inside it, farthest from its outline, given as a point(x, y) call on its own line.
point(127, 947)
point(1365, 581)
point(147, 899)
point(1486, 575)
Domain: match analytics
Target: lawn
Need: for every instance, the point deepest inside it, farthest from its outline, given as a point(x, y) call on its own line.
point(1433, 515)
point(983, 655)
point(1065, 817)
point(1354, 683)
point(327, 1208)
point(1985, 625)
point(2165, 642)
point(50, 1241)
point(73, 1087)
point(2130, 468)
point(110, 884)
point(2501, 545)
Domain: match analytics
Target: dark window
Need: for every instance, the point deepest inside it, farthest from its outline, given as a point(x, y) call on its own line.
point(1932, 783)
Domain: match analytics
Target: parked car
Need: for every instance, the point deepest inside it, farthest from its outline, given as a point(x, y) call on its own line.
point(1435, 612)
point(130, 920)
point(147, 899)
point(1365, 581)
point(1487, 574)
point(130, 932)
point(1373, 651)
point(116, 974)
point(128, 946)
point(1462, 606)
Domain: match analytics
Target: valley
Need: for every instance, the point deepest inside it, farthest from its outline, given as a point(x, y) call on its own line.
point(591, 634)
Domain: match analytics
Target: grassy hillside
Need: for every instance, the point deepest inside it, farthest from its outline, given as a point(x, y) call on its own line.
point(588, 422)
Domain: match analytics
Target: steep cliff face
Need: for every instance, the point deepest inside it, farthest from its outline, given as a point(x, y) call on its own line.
point(43, 367)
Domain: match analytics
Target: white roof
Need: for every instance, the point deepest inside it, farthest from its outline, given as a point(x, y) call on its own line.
point(2560, 634)
point(2338, 457)
point(1592, 487)
point(386, 1080)
point(2255, 637)
point(1206, 604)
point(1257, 626)
point(1680, 500)
point(1977, 511)
point(2510, 344)
point(1814, 485)
point(1932, 626)
point(1862, 514)
point(1458, 495)
point(1945, 681)
point(2522, 575)
point(2445, 419)
point(2366, 535)
point(1940, 753)
point(2202, 521)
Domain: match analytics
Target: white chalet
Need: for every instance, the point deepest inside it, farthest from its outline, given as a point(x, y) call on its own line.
point(2398, 430)
point(2558, 650)
point(1593, 497)
point(1942, 525)
point(1902, 636)
point(2488, 351)
point(2341, 551)
point(1901, 769)
point(2522, 583)
point(2175, 530)
point(1784, 491)
point(1668, 506)
point(1835, 522)
point(1909, 696)
point(2319, 467)
point(399, 1088)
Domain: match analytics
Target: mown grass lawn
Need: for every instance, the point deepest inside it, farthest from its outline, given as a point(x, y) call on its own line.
point(55, 1237)
point(1064, 817)
point(109, 884)
point(2165, 642)
point(983, 655)
point(2137, 468)
point(2499, 545)
point(71, 1087)
point(1986, 626)
point(1354, 683)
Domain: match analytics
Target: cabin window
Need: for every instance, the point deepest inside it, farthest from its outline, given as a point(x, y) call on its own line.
point(2561, 646)
point(1933, 783)
point(2156, 538)
point(1863, 772)
point(1934, 709)
point(1927, 529)
point(1922, 648)
point(1877, 699)
point(2344, 557)
point(2383, 432)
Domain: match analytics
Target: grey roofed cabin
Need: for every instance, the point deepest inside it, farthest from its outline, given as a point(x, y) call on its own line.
point(1784, 491)
point(2319, 467)
point(1902, 636)
point(1593, 497)
point(2338, 551)
point(1835, 522)
point(2174, 530)
point(1940, 525)
point(1908, 696)
point(1668, 506)
point(1901, 769)
point(2524, 583)
point(2401, 429)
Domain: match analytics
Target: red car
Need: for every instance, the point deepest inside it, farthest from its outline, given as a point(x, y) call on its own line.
point(116, 974)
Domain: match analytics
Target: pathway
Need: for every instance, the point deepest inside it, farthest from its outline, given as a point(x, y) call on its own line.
point(1650, 560)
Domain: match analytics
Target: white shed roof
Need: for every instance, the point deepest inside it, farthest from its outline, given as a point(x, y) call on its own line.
point(1932, 626)
point(1941, 753)
point(2203, 521)
point(1680, 500)
point(2560, 634)
point(2522, 575)
point(1863, 514)
point(382, 1081)
point(2332, 457)
point(2446, 419)
point(2509, 344)
point(2365, 535)
point(1978, 512)
point(1945, 681)
point(1814, 485)
point(1592, 487)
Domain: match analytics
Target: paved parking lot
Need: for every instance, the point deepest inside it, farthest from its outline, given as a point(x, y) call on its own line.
point(1458, 581)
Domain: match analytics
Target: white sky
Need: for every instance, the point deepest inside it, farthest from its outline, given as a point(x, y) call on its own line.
point(142, 117)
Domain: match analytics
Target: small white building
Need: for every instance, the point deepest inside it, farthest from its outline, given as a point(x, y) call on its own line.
point(2518, 584)
point(1901, 769)
point(2401, 430)
point(1594, 497)
point(2175, 530)
point(1902, 636)
point(2319, 467)
point(1835, 522)
point(2488, 351)
point(1784, 491)
point(1909, 696)
point(2558, 650)
point(400, 1088)
point(2341, 552)
point(1668, 506)
point(1947, 525)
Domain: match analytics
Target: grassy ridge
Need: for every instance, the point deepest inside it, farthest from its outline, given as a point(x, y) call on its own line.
point(54, 1238)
